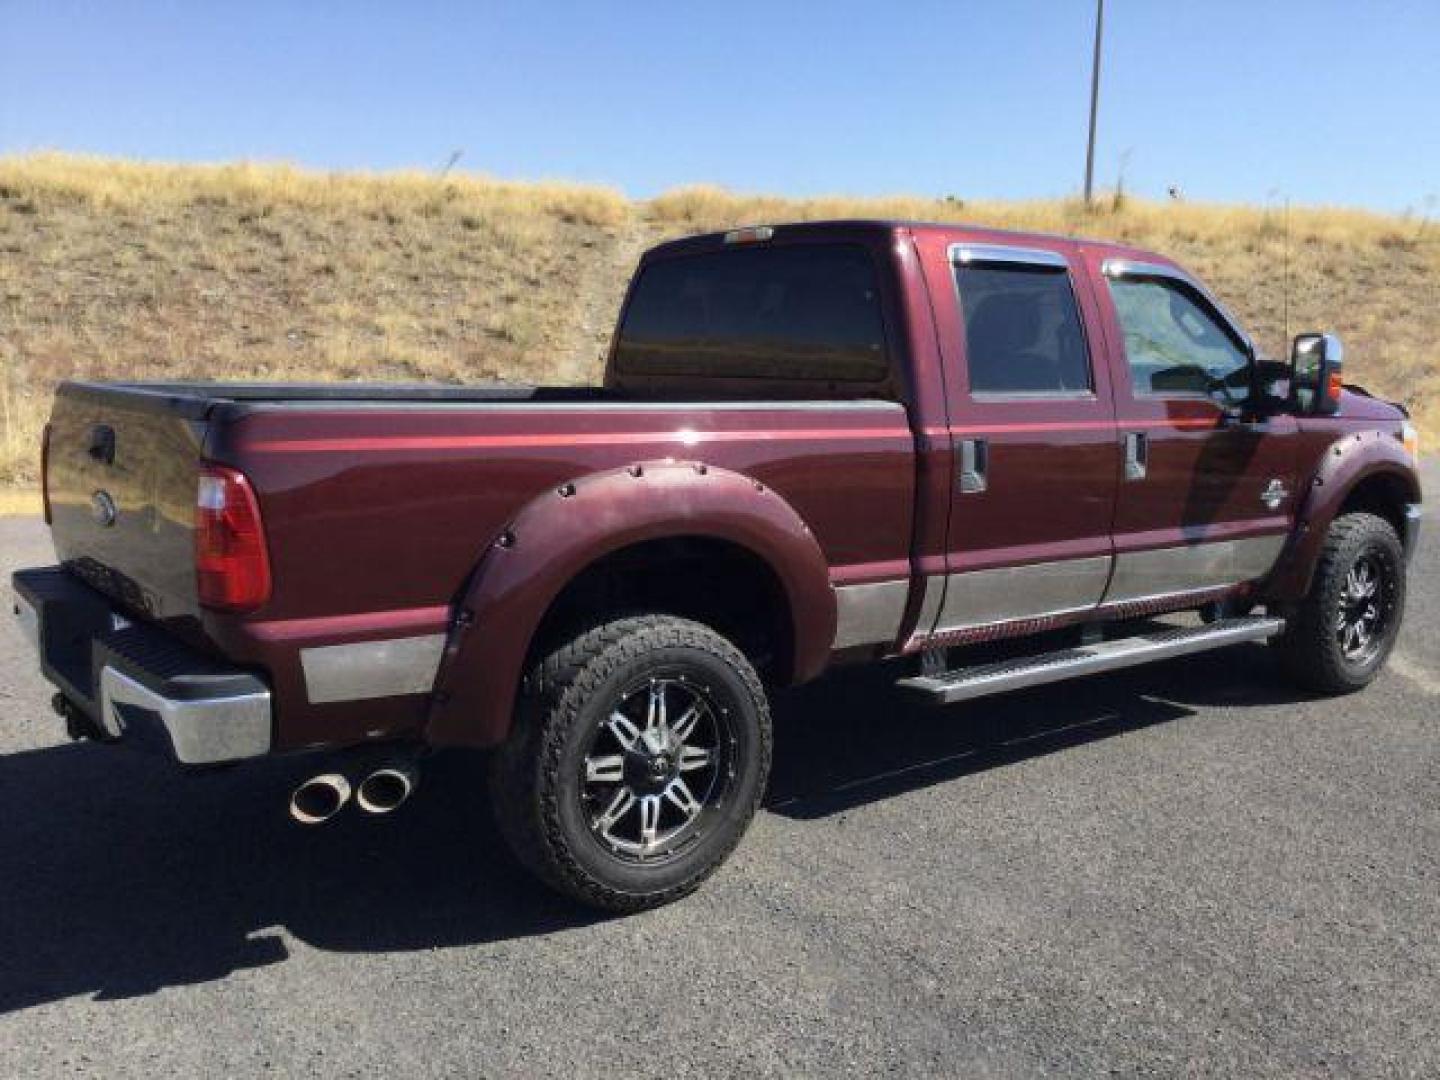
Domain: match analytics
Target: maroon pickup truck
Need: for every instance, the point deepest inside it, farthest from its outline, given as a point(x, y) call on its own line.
point(992, 459)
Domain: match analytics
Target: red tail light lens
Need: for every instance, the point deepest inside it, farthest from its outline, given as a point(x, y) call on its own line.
point(45, 471)
point(232, 568)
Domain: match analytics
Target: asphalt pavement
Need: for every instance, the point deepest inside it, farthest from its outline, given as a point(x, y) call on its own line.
point(1185, 868)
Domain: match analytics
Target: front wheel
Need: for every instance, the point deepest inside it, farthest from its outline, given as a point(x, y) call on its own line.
point(1340, 635)
point(639, 757)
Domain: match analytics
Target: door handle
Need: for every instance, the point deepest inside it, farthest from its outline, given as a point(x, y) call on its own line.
point(974, 465)
point(1137, 454)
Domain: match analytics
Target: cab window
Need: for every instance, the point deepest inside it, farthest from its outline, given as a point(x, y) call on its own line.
point(1022, 330)
point(1174, 343)
point(798, 311)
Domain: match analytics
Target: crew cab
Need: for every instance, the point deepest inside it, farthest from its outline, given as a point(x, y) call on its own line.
point(988, 459)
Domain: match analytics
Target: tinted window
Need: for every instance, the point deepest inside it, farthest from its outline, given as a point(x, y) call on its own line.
point(1175, 344)
point(1022, 330)
point(791, 312)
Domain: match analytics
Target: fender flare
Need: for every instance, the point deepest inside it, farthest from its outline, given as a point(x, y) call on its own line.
point(559, 534)
point(1348, 462)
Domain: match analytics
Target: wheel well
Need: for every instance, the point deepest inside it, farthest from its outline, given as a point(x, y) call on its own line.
point(1384, 495)
point(714, 582)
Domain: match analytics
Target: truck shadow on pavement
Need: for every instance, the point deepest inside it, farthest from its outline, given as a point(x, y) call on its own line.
point(120, 876)
point(833, 754)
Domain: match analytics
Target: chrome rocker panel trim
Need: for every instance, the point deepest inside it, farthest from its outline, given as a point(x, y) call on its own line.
point(869, 614)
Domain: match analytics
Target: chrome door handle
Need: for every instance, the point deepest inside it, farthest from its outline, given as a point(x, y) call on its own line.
point(1137, 454)
point(974, 465)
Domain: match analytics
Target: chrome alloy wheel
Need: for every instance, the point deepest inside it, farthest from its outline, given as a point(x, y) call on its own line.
point(1366, 602)
point(656, 767)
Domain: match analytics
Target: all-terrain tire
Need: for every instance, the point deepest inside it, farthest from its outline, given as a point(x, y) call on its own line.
point(537, 782)
point(1311, 648)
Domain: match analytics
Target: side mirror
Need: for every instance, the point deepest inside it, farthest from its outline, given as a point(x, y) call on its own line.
point(1316, 363)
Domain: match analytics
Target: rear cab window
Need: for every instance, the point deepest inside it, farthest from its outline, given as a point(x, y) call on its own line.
point(794, 312)
point(1023, 334)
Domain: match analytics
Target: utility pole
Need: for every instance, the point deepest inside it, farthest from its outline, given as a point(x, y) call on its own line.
point(1094, 102)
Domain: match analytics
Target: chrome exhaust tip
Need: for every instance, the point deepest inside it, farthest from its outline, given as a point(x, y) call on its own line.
point(319, 799)
point(387, 788)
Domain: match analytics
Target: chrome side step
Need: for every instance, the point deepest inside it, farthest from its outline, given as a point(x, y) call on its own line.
point(962, 684)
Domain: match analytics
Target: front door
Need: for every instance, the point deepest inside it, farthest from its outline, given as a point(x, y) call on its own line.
point(1034, 442)
point(1208, 486)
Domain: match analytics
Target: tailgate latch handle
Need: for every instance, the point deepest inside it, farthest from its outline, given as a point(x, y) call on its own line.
point(102, 443)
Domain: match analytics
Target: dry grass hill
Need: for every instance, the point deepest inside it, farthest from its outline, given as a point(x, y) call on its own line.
point(116, 269)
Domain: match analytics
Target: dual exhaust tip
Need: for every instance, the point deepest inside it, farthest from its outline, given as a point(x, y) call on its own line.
point(321, 797)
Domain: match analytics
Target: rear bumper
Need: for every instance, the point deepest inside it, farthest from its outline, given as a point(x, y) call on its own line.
point(138, 684)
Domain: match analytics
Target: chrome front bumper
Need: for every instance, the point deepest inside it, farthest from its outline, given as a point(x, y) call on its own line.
point(138, 685)
point(1414, 514)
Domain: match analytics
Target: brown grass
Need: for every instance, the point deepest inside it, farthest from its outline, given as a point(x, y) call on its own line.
point(115, 269)
point(21, 501)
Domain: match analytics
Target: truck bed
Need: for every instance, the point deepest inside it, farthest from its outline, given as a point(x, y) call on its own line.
point(378, 501)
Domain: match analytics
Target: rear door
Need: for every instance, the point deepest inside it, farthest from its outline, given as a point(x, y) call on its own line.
point(1208, 488)
point(1033, 433)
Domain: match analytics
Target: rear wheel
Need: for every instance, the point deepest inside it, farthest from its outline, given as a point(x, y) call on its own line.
point(639, 756)
point(1339, 637)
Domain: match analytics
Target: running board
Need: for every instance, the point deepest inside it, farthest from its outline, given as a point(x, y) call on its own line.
point(962, 684)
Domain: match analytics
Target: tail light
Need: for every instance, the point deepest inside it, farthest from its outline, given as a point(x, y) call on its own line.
point(232, 568)
point(45, 471)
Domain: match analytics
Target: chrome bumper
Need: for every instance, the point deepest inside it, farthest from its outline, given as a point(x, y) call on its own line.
point(202, 731)
point(1414, 514)
point(138, 685)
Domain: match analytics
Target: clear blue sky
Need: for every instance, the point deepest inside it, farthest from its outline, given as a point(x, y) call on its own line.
point(1237, 101)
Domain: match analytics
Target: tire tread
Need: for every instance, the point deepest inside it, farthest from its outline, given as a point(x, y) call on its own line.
point(526, 770)
point(1308, 649)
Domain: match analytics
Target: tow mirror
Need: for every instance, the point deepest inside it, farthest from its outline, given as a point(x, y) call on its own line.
point(1316, 380)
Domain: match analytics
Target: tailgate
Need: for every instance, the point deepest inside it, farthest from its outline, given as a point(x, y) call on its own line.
point(121, 478)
